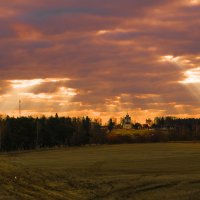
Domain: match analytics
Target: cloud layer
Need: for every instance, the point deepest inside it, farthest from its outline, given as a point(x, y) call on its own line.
point(79, 57)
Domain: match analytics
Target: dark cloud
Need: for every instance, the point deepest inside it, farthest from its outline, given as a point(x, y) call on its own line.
point(107, 48)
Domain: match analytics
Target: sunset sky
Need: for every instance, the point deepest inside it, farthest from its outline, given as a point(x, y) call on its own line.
point(100, 58)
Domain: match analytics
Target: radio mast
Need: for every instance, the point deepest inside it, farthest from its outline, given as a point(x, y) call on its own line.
point(20, 104)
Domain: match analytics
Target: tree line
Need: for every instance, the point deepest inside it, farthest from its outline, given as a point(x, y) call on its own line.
point(179, 129)
point(24, 133)
point(161, 129)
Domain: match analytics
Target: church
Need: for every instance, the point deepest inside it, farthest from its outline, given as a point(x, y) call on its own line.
point(126, 122)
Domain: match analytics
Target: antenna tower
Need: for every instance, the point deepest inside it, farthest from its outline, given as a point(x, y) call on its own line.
point(20, 105)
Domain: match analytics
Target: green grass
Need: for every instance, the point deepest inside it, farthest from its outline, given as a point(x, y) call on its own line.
point(129, 171)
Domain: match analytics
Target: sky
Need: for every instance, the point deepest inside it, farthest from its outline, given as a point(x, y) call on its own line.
point(101, 58)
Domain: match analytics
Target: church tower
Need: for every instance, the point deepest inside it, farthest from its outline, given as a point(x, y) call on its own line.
point(127, 124)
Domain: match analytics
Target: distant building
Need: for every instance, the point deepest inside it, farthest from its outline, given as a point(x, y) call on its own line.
point(126, 122)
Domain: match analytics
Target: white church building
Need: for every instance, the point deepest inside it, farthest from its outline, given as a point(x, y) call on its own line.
point(126, 122)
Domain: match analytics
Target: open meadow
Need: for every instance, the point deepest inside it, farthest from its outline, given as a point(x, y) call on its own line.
point(128, 171)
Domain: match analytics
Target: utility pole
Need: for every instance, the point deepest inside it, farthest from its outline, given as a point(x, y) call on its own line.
point(37, 131)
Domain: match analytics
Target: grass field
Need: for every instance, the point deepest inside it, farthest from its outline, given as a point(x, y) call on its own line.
point(129, 171)
point(136, 132)
point(131, 131)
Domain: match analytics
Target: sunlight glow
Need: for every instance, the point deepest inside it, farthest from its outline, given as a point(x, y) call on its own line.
point(194, 2)
point(102, 32)
point(147, 96)
point(67, 91)
point(117, 30)
point(33, 101)
point(170, 58)
point(182, 61)
point(20, 84)
point(193, 76)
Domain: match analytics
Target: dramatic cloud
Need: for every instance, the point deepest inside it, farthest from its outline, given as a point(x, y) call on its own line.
point(103, 59)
